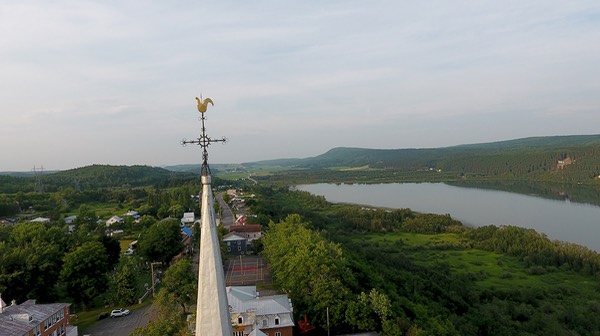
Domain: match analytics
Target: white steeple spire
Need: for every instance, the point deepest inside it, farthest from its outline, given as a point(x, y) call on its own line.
point(2, 304)
point(212, 314)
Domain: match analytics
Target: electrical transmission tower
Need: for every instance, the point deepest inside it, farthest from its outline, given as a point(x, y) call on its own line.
point(39, 186)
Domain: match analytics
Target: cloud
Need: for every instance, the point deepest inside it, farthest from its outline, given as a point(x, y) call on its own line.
point(123, 75)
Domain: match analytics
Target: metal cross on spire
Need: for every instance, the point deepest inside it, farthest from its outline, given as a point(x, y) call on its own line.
point(204, 140)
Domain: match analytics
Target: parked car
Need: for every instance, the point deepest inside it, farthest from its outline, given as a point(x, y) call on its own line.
point(119, 312)
point(103, 315)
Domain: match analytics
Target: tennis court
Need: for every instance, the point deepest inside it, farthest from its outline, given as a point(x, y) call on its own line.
point(246, 270)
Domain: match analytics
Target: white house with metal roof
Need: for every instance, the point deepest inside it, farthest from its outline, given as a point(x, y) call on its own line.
point(272, 315)
point(114, 220)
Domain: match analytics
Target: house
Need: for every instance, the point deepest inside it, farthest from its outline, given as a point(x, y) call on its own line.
point(114, 220)
point(5, 221)
point(40, 220)
point(187, 219)
point(249, 231)
point(133, 214)
point(29, 318)
point(235, 243)
point(111, 233)
point(69, 220)
point(272, 315)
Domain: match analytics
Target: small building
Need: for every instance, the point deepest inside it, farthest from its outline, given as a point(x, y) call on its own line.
point(271, 315)
point(69, 220)
point(114, 220)
point(249, 231)
point(40, 220)
point(188, 219)
point(235, 243)
point(133, 214)
point(5, 221)
point(29, 318)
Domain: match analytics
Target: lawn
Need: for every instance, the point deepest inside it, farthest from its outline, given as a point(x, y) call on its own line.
point(125, 244)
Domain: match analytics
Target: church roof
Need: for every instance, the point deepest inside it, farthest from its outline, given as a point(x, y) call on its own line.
point(244, 298)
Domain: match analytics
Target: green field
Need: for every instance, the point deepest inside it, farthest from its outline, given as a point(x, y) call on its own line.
point(490, 270)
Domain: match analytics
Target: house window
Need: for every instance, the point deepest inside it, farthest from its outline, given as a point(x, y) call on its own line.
point(240, 320)
point(238, 333)
point(228, 249)
point(265, 323)
point(277, 321)
point(277, 333)
point(239, 248)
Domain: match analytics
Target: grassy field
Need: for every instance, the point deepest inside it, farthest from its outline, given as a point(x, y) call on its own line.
point(491, 270)
point(125, 244)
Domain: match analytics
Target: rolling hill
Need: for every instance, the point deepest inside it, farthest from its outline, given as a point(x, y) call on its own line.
point(569, 159)
point(94, 177)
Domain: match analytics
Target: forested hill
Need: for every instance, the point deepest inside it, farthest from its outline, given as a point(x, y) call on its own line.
point(93, 177)
point(565, 158)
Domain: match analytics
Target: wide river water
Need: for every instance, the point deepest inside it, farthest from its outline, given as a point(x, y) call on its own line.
point(562, 220)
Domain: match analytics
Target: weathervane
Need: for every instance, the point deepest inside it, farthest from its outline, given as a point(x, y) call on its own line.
point(204, 140)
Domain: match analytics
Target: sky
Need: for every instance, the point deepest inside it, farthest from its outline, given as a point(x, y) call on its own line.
point(114, 82)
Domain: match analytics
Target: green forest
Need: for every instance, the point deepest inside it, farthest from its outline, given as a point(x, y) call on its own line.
point(559, 159)
point(403, 273)
point(81, 260)
point(396, 272)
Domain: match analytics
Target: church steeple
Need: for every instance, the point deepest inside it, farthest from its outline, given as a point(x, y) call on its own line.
point(212, 312)
point(2, 304)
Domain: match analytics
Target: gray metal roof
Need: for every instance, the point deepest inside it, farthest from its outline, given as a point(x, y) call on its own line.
point(243, 298)
point(19, 319)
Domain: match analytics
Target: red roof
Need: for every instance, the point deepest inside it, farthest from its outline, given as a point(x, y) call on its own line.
point(245, 228)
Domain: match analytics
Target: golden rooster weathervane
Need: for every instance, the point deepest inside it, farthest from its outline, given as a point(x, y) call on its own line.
point(203, 104)
point(204, 140)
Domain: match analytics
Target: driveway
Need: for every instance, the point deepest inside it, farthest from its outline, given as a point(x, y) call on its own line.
point(120, 326)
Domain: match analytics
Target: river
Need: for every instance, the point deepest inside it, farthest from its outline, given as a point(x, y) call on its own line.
point(558, 219)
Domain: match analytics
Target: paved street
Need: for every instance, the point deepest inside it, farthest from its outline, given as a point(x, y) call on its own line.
point(120, 326)
point(227, 218)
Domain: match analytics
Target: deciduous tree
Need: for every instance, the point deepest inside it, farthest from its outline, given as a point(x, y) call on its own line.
point(84, 272)
point(181, 282)
point(162, 241)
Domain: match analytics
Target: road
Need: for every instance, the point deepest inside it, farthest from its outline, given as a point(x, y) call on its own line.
point(227, 217)
point(120, 326)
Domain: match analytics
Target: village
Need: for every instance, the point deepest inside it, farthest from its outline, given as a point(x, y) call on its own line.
point(255, 307)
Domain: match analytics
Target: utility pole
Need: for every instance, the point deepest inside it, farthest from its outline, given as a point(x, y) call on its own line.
point(327, 321)
point(152, 270)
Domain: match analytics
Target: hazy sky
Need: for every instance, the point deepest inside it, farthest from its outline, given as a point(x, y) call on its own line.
point(113, 82)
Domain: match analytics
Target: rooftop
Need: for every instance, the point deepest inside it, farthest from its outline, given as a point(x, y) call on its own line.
point(244, 298)
point(19, 319)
